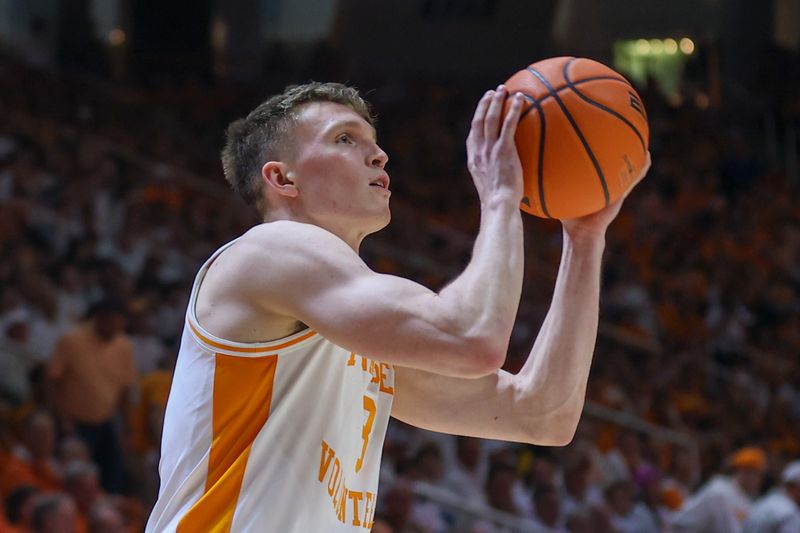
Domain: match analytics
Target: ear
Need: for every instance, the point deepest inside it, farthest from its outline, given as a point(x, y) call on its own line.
point(278, 178)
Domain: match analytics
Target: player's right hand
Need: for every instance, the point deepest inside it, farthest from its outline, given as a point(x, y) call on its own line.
point(492, 156)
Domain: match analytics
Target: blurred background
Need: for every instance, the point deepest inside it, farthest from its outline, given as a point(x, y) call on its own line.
point(112, 115)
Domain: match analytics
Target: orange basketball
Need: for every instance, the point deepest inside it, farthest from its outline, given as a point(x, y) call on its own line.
point(582, 138)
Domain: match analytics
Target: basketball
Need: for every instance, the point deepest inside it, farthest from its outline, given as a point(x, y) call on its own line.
point(582, 137)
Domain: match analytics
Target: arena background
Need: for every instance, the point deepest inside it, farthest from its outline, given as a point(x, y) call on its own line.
point(111, 121)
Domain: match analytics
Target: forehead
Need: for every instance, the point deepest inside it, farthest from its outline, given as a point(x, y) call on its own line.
point(318, 118)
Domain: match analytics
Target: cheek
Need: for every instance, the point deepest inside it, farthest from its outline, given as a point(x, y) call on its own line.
point(331, 176)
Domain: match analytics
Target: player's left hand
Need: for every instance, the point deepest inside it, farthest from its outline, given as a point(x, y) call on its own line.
point(595, 225)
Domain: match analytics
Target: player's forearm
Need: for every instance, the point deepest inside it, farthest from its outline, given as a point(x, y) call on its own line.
point(555, 375)
point(484, 298)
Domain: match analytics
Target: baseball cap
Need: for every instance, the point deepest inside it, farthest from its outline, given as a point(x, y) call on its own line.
point(750, 457)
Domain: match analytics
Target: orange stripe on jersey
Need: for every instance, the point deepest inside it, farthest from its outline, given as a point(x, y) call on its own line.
point(254, 349)
point(242, 397)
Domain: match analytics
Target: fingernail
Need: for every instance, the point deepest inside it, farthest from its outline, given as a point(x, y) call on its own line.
point(501, 87)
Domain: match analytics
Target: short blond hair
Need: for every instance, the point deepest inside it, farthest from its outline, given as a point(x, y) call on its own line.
point(259, 137)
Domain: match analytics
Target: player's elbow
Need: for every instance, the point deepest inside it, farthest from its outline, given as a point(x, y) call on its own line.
point(484, 357)
point(557, 430)
point(563, 436)
point(472, 363)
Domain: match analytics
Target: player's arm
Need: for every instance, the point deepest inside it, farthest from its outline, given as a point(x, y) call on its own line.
point(541, 404)
point(319, 280)
point(304, 272)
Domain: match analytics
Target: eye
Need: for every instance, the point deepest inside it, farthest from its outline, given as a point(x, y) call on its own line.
point(344, 138)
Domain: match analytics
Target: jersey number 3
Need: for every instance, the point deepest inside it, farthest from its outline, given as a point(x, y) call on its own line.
point(369, 407)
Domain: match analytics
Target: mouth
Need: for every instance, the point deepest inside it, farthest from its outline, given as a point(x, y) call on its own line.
point(381, 181)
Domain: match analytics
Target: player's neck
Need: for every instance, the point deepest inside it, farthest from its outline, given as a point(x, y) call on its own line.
point(341, 229)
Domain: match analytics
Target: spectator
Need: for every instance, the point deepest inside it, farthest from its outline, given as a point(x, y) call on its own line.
point(71, 449)
point(147, 420)
point(92, 373)
point(428, 464)
point(722, 504)
point(396, 507)
point(578, 493)
point(54, 513)
point(778, 511)
point(37, 451)
point(675, 489)
point(104, 518)
point(429, 468)
point(628, 516)
point(547, 510)
point(580, 521)
point(499, 488)
point(649, 481)
point(468, 475)
point(19, 507)
point(16, 359)
point(82, 482)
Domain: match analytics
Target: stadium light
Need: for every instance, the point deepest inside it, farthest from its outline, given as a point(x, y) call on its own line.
point(656, 46)
point(687, 46)
point(116, 37)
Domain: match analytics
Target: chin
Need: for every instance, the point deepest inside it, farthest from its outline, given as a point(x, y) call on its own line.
point(380, 222)
point(380, 225)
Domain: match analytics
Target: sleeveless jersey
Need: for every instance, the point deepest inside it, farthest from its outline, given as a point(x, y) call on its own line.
point(282, 436)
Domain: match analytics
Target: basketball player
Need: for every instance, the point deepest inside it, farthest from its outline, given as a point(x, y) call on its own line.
point(295, 353)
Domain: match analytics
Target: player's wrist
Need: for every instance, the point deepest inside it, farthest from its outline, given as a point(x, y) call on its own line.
point(502, 200)
point(585, 239)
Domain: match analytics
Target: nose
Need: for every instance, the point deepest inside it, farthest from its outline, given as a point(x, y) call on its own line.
point(378, 158)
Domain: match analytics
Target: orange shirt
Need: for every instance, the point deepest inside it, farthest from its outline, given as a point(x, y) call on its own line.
point(153, 392)
point(91, 374)
point(5, 527)
point(16, 472)
point(13, 473)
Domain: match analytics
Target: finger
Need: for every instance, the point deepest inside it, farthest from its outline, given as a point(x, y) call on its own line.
point(644, 171)
point(511, 121)
point(640, 177)
point(491, 126)
point(476, 131)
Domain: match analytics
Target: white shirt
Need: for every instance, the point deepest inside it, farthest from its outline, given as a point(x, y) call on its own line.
point(638, 520)
point(720, 506)
point(774, 513)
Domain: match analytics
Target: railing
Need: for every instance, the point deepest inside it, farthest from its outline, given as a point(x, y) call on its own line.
point(639, 425)
point(467, 515)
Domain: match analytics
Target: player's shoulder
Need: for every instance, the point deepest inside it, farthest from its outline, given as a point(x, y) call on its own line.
point(287, 230)
point(284, 238)
point(281, 254)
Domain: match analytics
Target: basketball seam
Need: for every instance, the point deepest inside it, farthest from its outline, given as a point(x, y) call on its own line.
point(579, 82)
point(563, 88)
point(540, 161)
point(577, 130)
point(601, 106)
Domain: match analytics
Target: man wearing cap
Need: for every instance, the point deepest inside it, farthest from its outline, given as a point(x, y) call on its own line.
point(723, 504)
point(778, 511)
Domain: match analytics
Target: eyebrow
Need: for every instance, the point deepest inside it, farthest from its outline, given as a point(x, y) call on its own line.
point(355, 124)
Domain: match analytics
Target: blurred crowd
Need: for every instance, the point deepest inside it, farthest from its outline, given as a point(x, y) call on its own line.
point(111, 198)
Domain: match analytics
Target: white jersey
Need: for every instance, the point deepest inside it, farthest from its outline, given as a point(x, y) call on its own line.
point(720, 506)
point(774, 513)
point(282, 436)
